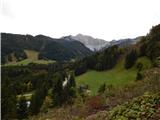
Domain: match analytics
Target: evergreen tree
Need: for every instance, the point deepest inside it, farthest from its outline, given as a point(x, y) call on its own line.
point(99, 67)
point(37, 100)
point(57, 89)
point(130, 59)
point(71, 81)
point(80, 67)
point(71, 86)
point(22, 111)
point(8, 108)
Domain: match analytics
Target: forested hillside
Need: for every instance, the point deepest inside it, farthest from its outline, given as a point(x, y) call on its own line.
point(114, 84)
point(14, 46)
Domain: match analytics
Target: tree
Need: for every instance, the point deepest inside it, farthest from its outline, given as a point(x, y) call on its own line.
point(71, 81)
point(37, 100)
point(8, 109)
point(99, 67)
point(57, 89)
point(91, 61)
point(106, 59)
point(70, 89)
point(150, 45)
point(22, 111)
point(80, 67)
point(130, 59)
point(143, 46)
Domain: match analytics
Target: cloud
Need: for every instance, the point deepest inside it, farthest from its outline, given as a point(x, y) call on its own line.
point(6, 9)
point(106, 19)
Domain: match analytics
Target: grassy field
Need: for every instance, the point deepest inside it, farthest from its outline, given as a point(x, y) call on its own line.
point(27, 61)
point(31, 54)
point(117, 76)
point(32, 57)
point(26, 95)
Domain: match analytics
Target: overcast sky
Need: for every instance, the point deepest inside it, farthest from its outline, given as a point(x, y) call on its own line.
point(105, 19)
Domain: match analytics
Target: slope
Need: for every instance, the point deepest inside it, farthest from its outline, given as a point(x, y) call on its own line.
point(47, 47)
point(117, 76)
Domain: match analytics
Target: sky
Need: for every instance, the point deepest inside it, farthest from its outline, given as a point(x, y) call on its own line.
point(105, 19)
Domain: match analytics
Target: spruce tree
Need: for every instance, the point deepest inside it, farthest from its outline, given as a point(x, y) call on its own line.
point(37, 100)
point(130, 59)
point(57, 89)
point(22, 111)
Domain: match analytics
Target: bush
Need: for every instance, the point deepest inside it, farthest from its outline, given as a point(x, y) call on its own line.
point(139, 76)
point(142, 107)
point(95, 102)
point(139, 66)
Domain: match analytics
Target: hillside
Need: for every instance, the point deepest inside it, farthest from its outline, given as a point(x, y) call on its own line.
point(32, 57)
point(136, 100)
point(117, 76)
point(14, 46)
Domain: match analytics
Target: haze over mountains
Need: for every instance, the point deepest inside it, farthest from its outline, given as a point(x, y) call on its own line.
point(62, 49)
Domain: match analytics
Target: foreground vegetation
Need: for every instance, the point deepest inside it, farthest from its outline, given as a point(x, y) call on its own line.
point(143, 107)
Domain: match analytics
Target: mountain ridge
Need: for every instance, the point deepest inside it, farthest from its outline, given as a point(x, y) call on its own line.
point(96, 44)
point(48, 48)
point(61, 49)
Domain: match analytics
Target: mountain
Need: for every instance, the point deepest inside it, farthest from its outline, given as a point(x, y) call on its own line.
point(96, 44)
point(14, 46)
point(124, 42)
point(93, 44)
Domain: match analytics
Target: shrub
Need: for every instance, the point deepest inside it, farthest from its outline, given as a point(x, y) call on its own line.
point(102, 88)
point(139, 66)
point(95, 102)
point(139, 76)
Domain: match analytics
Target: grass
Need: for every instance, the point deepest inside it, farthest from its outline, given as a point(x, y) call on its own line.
point(32, 57)
point(27, 61)
point(26, 95)
point(118, 76)
point(31, 54)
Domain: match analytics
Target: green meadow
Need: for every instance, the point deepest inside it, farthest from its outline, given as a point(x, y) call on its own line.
point(118, 76)
point(32, 57)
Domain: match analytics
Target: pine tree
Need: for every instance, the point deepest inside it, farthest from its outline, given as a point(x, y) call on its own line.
point(22, 111)
point(57, 89)
point(71, 86)
point(37, 100)
point(130, 59)
point(8, 108)
point(71, 81)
